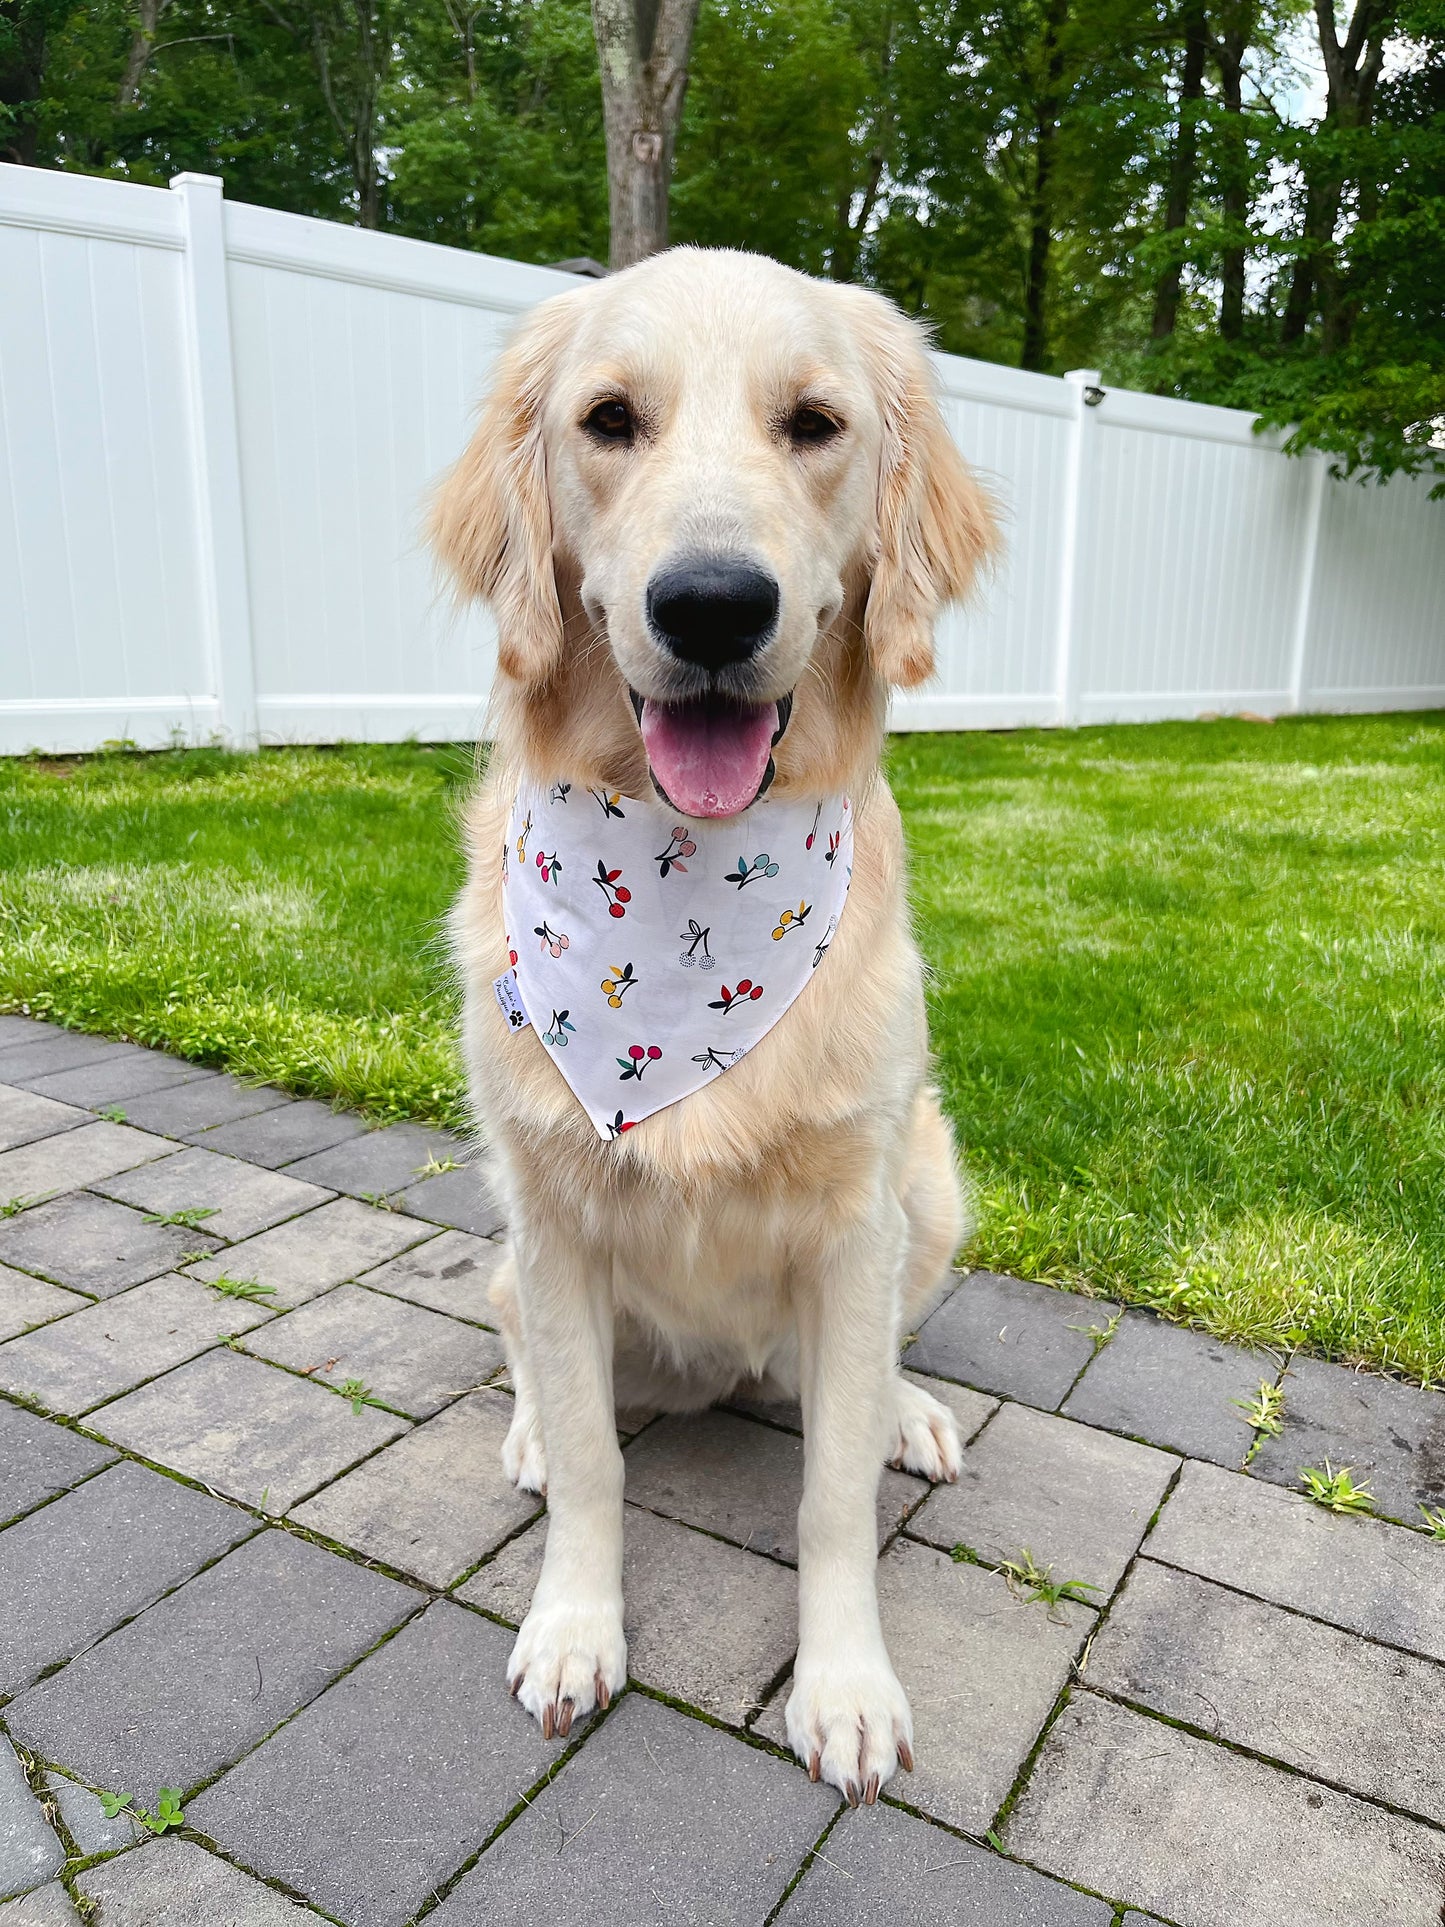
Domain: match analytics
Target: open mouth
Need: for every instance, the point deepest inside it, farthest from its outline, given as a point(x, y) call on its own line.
point(712, 755)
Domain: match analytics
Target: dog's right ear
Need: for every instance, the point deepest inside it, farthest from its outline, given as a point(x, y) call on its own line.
point(491, 519)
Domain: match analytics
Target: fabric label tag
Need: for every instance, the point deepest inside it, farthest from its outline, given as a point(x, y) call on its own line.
point(509, 1001)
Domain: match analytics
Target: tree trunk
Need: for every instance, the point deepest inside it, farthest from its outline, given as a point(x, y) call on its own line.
point(1182, 163)
point(1229, 51)
point(643, 48)
point(142, 46)
point(22, 81)
point(1352, 69)
point(1041, 211)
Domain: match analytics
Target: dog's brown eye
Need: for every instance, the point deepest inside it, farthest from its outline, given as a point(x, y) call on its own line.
point(810, 426)
point(610, 421)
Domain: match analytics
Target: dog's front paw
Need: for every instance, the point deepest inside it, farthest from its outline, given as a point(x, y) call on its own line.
point(926, 1436)
point(849, 1723)
point(567, 1659)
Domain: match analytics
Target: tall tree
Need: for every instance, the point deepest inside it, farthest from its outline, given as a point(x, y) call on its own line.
point(643, 47)
point(1183, 163)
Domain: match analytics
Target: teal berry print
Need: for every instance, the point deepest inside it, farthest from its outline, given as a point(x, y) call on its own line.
point(557, 1035)
point(747, 992)
point(638, 1058)
point(746, 873)
point(617, 894)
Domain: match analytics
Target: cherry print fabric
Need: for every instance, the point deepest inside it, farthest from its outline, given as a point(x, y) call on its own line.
point(654, 950)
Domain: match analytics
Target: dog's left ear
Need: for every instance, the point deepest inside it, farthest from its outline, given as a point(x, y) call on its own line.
point(491, 518)
point(936, 526)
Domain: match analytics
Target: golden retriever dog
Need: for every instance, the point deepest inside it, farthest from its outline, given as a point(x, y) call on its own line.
point(774, 443)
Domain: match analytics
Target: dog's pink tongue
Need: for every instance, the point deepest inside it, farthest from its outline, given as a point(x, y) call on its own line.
point(710, 761)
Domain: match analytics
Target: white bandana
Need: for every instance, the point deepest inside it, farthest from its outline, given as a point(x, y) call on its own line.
point(650, 950)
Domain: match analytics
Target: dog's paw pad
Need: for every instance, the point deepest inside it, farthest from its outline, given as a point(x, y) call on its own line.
point(568, 1659)
point(926, 1438)
point(849, 1723)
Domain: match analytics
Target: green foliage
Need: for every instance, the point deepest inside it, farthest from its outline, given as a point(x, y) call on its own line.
point(1005, 168)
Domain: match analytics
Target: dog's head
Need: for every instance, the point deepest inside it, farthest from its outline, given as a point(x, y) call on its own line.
point(716, 510)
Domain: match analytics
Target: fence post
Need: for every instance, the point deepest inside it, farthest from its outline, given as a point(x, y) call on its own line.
point(220, 513)
point(1305, 590)
point(1077, 468)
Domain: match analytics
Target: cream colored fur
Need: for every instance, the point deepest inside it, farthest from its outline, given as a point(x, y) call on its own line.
point(785, 1225)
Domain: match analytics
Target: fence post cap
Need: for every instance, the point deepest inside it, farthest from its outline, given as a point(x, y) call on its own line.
point(1080, 377)
point(198, 180)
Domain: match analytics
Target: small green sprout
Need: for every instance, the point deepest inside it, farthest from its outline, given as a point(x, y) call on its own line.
point(1434, 1517)
point(434, 1167)
point(357, 1393)
point(112, 1803)
point(242, 1288)
point(12, 1207)
point(190, 1218)
point(1335, 1490)
point(1264, 1413)
point(168, 1811)
point(1030, 1581)
point(380, 1201)
point(113, 1114)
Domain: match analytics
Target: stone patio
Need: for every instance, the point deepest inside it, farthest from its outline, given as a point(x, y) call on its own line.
point(256, 1546)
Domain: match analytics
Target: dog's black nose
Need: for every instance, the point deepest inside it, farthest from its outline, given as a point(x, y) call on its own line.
point(711, 610)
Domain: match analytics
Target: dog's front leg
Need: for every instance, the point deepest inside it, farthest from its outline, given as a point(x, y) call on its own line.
point(848, 1719)
point(570, 1653)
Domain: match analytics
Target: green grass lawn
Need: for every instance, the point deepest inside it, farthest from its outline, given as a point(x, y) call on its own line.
point(1188, 1001)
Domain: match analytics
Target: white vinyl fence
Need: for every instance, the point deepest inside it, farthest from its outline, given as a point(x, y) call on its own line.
point(218, 425)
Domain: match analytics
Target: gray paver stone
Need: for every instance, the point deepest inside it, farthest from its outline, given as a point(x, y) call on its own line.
point(1003, 1335)
point(380, 1162)
point(45, 1907)
point(86, 1155)
point(1077, 1499)
point(174, 1883)
point(24, 1117)
point(1327, 1702)
point(245, 1198)
point(739, 1479)
point(246, 1429)
point(282, 1135)
point(969, 1408)
point(410, 1358)
point(17, 1029)
point(683, 1824)
point(317, 1805)
point(57, 1050)
point(206, 1672)
point(39, 1459)
point(1392, 1436)
point(452, 1273)
point(97, 1555)
point(30, 1853)
point(119, 1079)
point(94, 1244)
point(884, 1866)
point(26, 1302)
point(86, 1819)
point(1131, 1807)
point(188, 1108)
point(981, 1669)
point(1175, 1387)
point(1362, 1574)
point(106, 1349)
point(322, 1248)
point(705, 1623)
point(460, 1198)
point(434, 1503)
